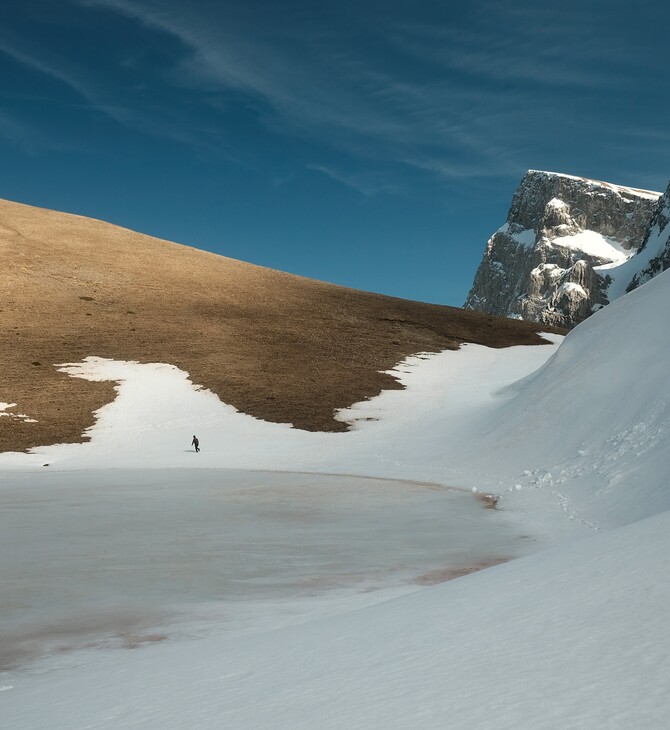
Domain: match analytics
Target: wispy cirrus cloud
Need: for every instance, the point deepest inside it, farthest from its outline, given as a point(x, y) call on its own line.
point(99, 94)
point(488, 89)
point(310, 82)
point(42, 60)
point(446, 168)
point(491, 57)
point(546, 45)
point(32, 140)
point(17, 133)
point(366, 183)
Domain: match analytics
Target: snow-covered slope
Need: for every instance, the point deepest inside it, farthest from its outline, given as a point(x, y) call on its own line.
point(572, 637)
point(593, 424)
point(561, 230)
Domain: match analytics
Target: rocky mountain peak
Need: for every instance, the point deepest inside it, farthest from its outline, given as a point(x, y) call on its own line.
point(542, 264)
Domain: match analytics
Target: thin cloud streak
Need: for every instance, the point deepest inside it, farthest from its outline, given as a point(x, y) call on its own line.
point(17, 133)
point(368, 184)
point(325, 87)
point(32, 60)
point(32, 141)
point(340, 105)
point(465, 171)
point(151, 122)
point(552, 48)
point(500, 60)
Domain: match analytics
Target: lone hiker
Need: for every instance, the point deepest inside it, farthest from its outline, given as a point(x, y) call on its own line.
point(195, 443)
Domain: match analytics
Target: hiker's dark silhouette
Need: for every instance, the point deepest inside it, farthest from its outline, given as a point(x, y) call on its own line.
point(196, 443)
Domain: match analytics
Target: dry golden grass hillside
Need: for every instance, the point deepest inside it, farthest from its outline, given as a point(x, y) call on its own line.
point(276, 346)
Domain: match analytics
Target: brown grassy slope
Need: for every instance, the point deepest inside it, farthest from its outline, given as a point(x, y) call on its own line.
point(280, 347)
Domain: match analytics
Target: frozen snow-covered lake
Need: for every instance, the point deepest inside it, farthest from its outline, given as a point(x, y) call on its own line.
point(125, 557)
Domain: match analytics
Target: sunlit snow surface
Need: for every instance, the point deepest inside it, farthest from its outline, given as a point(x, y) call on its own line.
point(416, 433)
point(594, 244)
point(575, 439)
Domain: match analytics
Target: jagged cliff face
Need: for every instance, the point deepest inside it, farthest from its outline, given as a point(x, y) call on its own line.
point(655, 250)
point(544, 264)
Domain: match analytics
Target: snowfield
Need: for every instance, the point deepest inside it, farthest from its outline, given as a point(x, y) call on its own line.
point(574, 438)
point(595, 244)
point(574, 637)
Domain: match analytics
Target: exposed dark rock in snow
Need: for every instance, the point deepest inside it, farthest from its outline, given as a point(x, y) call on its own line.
point(656, 246)
point(544, 264)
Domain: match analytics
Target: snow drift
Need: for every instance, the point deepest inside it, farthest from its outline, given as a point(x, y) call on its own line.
point(594, 421)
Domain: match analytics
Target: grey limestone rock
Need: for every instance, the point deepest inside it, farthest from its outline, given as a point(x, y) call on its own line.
point(544, 264)
point(655, 249)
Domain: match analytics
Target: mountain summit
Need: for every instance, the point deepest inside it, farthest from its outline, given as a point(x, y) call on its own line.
point(557, 257)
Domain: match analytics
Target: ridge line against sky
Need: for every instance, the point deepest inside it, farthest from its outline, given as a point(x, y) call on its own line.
point(375, 146)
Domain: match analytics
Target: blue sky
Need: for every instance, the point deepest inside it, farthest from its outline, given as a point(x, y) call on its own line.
point(371, 144)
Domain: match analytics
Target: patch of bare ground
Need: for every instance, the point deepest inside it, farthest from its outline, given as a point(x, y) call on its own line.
point(61, 636)
point(132, 641)
point(488, 501)
point(441, 575)
point(277, 346)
